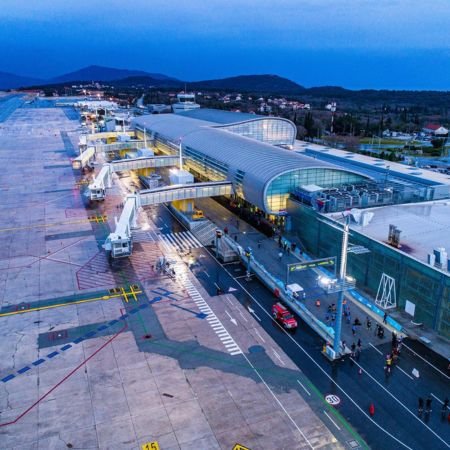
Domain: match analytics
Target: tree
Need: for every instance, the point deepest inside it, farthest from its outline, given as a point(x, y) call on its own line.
point(309, 124)
point(437, 143)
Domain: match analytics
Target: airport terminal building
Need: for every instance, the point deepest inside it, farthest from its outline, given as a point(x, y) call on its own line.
point(298, 185)
point(250, 151)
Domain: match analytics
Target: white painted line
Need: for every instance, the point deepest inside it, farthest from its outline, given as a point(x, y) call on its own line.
point(409, 376)
point(413, 414)
point(438, 399)
point(373, 346)
point(206, 273)
point(231, 344)
point(223, 333)
point(237, 352)
point(257, 332)
point(319, 367)
point(332, 421)
point(226, 339)
point(278, 357)
point(242, 315)
point(423, 359)
point(306, 390)
point(229, 301)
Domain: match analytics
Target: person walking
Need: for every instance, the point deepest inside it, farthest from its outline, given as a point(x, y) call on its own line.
point(444, 407)
point(280, 255)
point(353, 330)
point(428, 404)
point(388, 363)
point(420, 405)
point(385, 317)
point(359, 344)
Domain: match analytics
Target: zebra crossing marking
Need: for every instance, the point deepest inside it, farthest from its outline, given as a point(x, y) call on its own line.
point(228, 342)
point(183, 240)
point(142, 236)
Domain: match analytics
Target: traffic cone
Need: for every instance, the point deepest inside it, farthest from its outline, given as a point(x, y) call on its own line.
point(372, 409)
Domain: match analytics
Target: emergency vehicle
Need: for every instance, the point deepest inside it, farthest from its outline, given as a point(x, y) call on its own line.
point(281, 314)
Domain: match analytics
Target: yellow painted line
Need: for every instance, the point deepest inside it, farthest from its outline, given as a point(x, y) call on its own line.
point(77, 302)
point(46, 225)
point(133, 293)
point(124, 294)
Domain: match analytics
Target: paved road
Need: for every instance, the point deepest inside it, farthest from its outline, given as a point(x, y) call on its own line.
point(395, 423)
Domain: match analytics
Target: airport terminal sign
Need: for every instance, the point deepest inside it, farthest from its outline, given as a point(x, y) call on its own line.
point(324, 262)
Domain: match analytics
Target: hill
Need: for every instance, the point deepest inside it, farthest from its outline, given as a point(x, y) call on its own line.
point(11, 81)
point(146, 82)
point(251, 83)
point(100, 73)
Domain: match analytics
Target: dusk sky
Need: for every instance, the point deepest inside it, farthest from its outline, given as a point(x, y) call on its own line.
point(352, 43)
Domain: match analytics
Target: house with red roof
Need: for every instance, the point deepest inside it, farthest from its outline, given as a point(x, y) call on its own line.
point(435, 129)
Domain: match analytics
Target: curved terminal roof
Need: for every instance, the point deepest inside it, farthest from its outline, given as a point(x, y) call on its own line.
point(260, 162)
point(220, 116)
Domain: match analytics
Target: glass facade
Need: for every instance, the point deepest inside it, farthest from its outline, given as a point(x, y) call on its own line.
point(272, 131)
point(279, 189)
point(427, 288)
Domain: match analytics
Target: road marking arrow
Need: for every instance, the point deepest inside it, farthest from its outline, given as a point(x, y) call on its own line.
point(231, 318)
point(252, 311)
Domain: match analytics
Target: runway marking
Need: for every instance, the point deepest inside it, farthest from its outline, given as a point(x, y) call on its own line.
point(332, 421)
point(306, 390)
point(423, 359)
point(399, 402)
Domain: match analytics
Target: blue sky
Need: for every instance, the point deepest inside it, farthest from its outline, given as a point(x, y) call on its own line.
point(353, 43)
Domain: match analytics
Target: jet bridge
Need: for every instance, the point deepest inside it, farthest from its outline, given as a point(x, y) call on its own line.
point(120, 146)
point(97, 189)
point(119, 243)
point(175, 192)
point(83, 159)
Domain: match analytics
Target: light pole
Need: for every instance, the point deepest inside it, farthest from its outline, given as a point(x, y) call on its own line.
point(181, 155)
point(342, 272)
point(248, 254)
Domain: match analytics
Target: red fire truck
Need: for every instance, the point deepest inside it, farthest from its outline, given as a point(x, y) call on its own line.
point(281, 314)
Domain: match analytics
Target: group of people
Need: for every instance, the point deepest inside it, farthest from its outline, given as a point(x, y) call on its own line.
point(379, 331)
point(428, 403)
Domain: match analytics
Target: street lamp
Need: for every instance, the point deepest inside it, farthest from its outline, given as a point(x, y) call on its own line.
point(248, 254)
point(342, 271)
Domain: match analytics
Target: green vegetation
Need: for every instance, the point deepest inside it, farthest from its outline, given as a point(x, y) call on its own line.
point(383, 141)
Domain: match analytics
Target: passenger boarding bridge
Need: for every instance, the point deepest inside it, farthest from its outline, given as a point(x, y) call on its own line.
point(82, 160)
point(119, 244)
point(97, 189)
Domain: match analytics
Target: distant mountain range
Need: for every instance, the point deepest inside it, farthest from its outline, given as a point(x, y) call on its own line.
point(11, 81)
point(125, 78)
point(100, 73)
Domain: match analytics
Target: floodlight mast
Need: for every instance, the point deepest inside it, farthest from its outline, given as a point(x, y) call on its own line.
point(342, 273)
